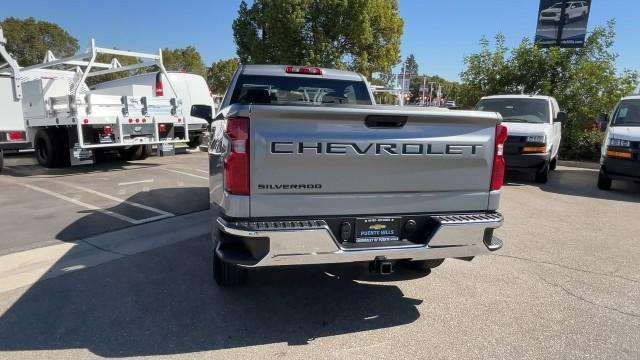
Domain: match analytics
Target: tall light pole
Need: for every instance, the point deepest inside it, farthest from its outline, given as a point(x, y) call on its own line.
point(402, 85)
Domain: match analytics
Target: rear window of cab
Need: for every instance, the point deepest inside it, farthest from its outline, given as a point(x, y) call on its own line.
point(298, 90)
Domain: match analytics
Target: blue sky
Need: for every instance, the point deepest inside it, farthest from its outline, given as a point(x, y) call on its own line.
point(438, 33)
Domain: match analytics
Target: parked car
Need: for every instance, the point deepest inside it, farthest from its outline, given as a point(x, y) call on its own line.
point(620, 157)
point(191, 88)
point(574, 10)
point(535, 131)
point(306, 169)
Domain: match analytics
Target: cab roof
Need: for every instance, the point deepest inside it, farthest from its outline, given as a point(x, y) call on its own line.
point(542, 97)
point(279, 70)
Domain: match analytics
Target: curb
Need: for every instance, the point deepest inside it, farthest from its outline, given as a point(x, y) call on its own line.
point(580, 164)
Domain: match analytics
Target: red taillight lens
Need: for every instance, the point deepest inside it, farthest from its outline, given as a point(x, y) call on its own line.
point(107, 130)
point(15, 136)
point(497, 175)
point(159, 87)
point(162, 128)
point(236, 164)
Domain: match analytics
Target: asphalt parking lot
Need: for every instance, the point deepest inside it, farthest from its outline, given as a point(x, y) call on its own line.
point(46, 206)
point(566, 285)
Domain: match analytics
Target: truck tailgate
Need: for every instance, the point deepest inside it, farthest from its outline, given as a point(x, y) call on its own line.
point(373, 160)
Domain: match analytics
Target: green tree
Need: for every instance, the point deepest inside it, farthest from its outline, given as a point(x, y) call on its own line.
point(411, 65)
point(29, 39)
point(362, 35)
point(186, 59)
point(585, 81)
point(220, 73)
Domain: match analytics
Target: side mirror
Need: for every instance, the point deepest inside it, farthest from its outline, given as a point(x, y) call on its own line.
point(561, 117)
point(203, 112)
point(603, 121)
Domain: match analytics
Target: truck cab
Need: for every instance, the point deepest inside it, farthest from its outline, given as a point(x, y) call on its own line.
point(535, 131)
point(620, 152)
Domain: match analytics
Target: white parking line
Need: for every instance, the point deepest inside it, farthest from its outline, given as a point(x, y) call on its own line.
point(135, 182)
point(141, 206)
point(188, 174)
point(202, 171)
point(82, 204)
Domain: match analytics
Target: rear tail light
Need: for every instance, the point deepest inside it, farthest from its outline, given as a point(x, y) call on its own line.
point(107, 130)
point(497, 174)
point(162, 128)
point(16, 136)
point(159, 86)
point(236, 164)
point(307, 70)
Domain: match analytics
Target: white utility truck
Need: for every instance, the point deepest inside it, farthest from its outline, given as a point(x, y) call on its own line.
point(66, 122)
point(12, 126)
point(192, 90)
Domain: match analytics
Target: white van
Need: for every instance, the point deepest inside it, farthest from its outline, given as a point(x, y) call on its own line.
point(534, 123)
point(620, 154)
point(191, 88)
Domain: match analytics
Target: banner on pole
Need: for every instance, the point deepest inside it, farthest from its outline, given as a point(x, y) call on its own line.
point(562, 23)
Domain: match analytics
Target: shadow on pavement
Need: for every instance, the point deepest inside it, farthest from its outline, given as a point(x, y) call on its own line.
point(577, 182)
point(23, 165)
point(178, 201)
point(164, 302)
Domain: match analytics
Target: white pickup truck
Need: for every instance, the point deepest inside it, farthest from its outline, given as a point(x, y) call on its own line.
point(535, 131)
point(306, 169)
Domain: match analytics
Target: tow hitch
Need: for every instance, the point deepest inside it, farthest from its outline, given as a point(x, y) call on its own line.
point(382, 266)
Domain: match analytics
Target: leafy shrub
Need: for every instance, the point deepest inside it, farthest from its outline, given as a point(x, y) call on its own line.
point(581, 144)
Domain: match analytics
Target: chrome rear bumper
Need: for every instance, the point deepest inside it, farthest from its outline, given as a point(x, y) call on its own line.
point(312, 242)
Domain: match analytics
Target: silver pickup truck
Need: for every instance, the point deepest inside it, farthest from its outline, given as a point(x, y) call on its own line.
point(306, 169)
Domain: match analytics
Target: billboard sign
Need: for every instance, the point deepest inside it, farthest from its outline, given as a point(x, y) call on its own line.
point(562, 23)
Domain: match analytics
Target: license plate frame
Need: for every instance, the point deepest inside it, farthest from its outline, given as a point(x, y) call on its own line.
point(377, 229)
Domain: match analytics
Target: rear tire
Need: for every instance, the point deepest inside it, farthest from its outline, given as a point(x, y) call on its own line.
point(604, 183)
point(43, 144)
point(224, 273)
point(1, 159)
point(425, 265)
point(133, 153)
point(146, 152)
point(194, 141)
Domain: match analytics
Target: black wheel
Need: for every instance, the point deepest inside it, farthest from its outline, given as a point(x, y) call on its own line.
point(542, 176)
point(194, 141)
point(1, 159)
point(224, 273)
point(604, 183)
point(553, 164)
point(425, 265)
point(133, 153)
point(44, 148)
point(146, 152)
